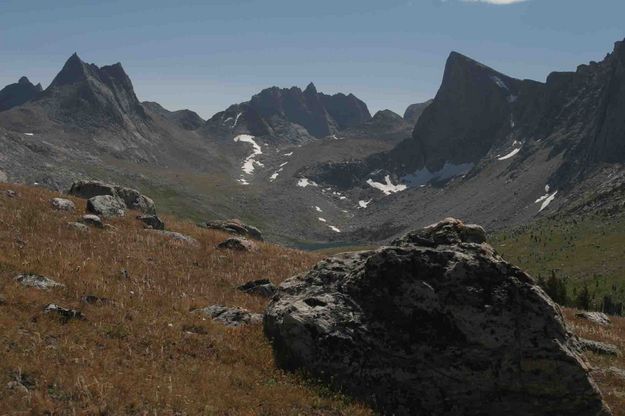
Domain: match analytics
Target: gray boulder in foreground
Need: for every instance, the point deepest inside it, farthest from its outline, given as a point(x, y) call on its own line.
point(596, 317)
point(37, 281)
point(235, 227)
point(62, 204)
point(106, 206)
point(230, 316)
point(435, 325)
point(131, 198)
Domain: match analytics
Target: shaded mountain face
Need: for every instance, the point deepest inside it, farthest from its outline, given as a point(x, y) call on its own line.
point(290, 115)
point(17, 94)
point(414, 111)
point(185, 119)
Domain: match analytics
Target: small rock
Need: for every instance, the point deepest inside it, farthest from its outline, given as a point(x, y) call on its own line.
point(176, 236)
point(63, 313)
point(238, 244)
point(152, 221)
point(230, 316)
point(62, 204)
point(10, 193)
point(597, 347)
point(37, 281)
point(596, 317)
point(233, 226)
point(106, 206)
point(261, 287)
point(93, 220)
point(78, 226)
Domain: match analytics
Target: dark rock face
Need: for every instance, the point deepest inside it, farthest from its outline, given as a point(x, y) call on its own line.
point(17, 94)
point(414, 111)
point(233, 226)
point(290, 115)
point(442, 328)
point(185, 119)
point(131, 198)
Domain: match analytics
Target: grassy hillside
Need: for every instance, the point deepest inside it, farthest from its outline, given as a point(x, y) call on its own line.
point(146, 353)
point(581, 251)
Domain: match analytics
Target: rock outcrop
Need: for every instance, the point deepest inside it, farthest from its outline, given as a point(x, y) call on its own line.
point(37, 281)
point(233, 226)
point(230, 316)
point(260, 287)
point(131, 198)
point(62, 204)
point(435, 325)
point(106, 206)
point(237, 244)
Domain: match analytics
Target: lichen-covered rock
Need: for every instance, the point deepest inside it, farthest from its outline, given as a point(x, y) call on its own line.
point(596, 317)
point(106, 206)
point(597, 347)
point(64, 314)
point(237, 244)
point(233, 226)
point(62, 204)
point(37, 281)
point(435, 325)
point(93, 220)
point(230, 316)
point(172, 235)
point(78, 226)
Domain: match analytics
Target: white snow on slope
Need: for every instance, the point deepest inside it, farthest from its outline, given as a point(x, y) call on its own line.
point(499, 82)
point(288, 154)
point(274, 176)
point(364, 204)
point(546, 199)
point(226, 120)
point(318, 209)
point(249, 162)
point(388, 187)
point(333, 228)
point(236, 120)
point(509, 155)
point(29, 134)
point(304, 182)
point(322, 219)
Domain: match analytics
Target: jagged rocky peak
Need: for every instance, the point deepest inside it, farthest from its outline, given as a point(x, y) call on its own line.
point(14, 95)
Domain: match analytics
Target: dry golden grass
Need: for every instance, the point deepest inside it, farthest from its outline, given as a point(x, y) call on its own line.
point(146, 354)
point(611, 385)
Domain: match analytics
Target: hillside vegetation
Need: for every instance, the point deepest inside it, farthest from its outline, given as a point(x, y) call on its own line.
point(145, 352)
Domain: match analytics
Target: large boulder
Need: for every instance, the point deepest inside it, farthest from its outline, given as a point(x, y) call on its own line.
point(132, 198)
point(435, 325)
point(235, 227)
point(106, 206)
point(237, 244)
point(62, 204)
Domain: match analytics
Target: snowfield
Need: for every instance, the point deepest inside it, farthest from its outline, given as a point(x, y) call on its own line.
point(388, 187)
point(304, 182)
point(509, 155)
point(249, 162)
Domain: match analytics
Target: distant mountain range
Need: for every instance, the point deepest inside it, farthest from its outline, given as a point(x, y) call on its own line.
point(311, 167)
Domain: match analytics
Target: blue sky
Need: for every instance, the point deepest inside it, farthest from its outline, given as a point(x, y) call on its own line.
point(206, 55)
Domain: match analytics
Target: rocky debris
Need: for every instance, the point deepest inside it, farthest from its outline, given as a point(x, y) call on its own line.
point(261, 287)
point(237, 244)
point(233, 226)
point(37, 281)
point(596, 317)
point(131, 198)
point(64, 314)
point(152, 221)
point(106, 206)
point(176, 236)
point(92, 220)
point(78, 226)
point(597, 347)
point(62, 204)
point(230, 316)
point(435, 328)
point(448, 231)
point(10, 193)
point(96, 300)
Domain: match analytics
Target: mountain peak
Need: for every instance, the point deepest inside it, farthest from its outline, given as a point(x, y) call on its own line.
point(24, 81)
point(311, 89)
point(73, 71)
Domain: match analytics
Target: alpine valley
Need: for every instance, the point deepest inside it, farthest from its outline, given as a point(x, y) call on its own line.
point(312, 169)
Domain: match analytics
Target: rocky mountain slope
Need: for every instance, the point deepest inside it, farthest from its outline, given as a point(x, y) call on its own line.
point(17, 94)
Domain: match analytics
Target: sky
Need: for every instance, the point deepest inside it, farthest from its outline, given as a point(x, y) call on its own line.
point(206, 55)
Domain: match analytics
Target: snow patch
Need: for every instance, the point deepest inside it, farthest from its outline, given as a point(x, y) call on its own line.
point(288, 154)
point(333, 228)
point(424, 176)
point(284, 164)
point(322, 219)
point(250, 162)
point(274, 176)
point(499, 82)
point(318, 209)
point(388, 187)
point(546, 199)
point(364, 204)
point(29, 134)
point(236, 120)
point(304, 182)
point(509, 155)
